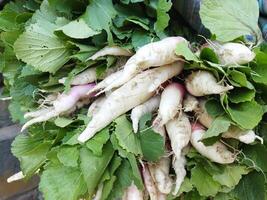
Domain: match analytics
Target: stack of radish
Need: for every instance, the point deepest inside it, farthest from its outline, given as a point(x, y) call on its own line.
point(146, 85)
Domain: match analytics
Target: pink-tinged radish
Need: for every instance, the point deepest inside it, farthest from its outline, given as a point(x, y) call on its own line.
point(217, 152)
point(98, 194)
point(153, 54)
point(149, 183)
point(202, 83)
point(132, 193)
point(245, 136)
point(106, 82)
point(149, 106)
point(179, 131)
point(179, 168)
point(112, 51)
point(95, 106)
point(131, 94)
point(233, 53)
point(170, 103)
point(190, 103)
point(67, 101)
point(160, 174)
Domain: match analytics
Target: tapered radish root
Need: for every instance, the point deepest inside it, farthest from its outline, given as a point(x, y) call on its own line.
point(149, 183)
point(202, 115)
point(190, 103)
point(132, 193)
point(147, 107)
point(179, 168)
point(37, 113)
point(113, 51)
point(245, 136)
point(98, 194)
point(16, 177)
point(179, 131)
point(170, 103)
point(153, 54)
point(128, 96)
point(234, 53)
point(201, 83)
point(217, 152)
point(160, 173)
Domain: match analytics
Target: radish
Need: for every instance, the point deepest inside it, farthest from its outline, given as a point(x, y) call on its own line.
point(113, 51)
point(107, 81)
point(67, 101)
point(217, 152)
point(64, 104)
point(98, 194)
point(149, 184)
point(132, 193)
point(95, 106)
point(160, 174)
point(153, 54)
point(201, 83)
point(245, 136)
point(179, 131)
point(37, 113)
point(179, 168)
point(233, 53)
point(16, 177)
point(128, 96)
point(170, 103)
point(190, 103)
point(147, 107)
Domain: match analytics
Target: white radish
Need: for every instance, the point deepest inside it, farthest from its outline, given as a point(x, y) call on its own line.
point(98, 194)
point(113, 51)
point(179, 131)
point(149, 184)
point(217, 152)
point(245, 136)
point(190, 103)
point(179, 168)
point(128, 96)
point(37, 113)
point(132, 193)
point(147, 107)
point(153, 54)
point(170, 103)
point(201, 83)
point(106, 82)
point(16, 177)
point(234, 53)
point(95, 106)
point(160, 173)
point(66, 101)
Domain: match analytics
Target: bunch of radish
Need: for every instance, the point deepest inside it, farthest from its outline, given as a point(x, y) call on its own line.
point(146, 84)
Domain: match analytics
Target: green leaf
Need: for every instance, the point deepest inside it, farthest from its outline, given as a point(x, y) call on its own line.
point(208, 188)
point(251, 187)
point(231, 175)
point(144, 120)
point(15, 111)
point(137, 178)
point(39, 47)
point(31, 153)
point(99, 15)
point(152, 145)
point(162, 16)
point(93, 166)
point(78, 29)
point(238, 77)
point(68, 156)
point(62, 183)
point(97, 142)
point(247, 114)
point(220, 125)
point(239, 95)
point(140, 38)
point(209, 55)
point(185, 187)
point(62, 122)
point(126, 137)
point(259, 74)
point(214, 108)
point(241, 17)
point(182, 49)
